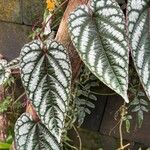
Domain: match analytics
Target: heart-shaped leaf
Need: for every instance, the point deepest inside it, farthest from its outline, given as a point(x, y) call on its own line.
point(139, 35)
point(46, 75)
point(98, 33)
point(33, 136)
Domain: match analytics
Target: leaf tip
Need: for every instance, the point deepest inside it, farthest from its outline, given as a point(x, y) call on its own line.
point(126, 98)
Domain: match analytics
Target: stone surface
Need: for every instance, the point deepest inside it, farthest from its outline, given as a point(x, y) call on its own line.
point(108, 143)
point(12, 38)
point(93, 121)
point(139, 135)
point(93, 140)
point(32, 11)
point(90, 140)
point(10, 11)
point(96, 141)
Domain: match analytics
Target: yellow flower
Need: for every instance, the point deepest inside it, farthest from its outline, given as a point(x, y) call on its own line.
point(51, 4)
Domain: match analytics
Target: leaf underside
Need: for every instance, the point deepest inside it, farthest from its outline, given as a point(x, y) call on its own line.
point(33, 136)
point(98, 33)
point(46, 75)
point(139, 36)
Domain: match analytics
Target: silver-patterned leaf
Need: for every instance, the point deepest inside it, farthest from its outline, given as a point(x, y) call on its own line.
point(46, 75)
point(139, 35)
point(4, 71)
point(98, 33)
point(13, 64)
point(33, 136)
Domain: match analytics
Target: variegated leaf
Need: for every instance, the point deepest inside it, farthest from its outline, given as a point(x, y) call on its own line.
point(4, 71)
point(14, 63)
point(33, 136)
point(46, 75)
point(98, 33)
point(139, 35)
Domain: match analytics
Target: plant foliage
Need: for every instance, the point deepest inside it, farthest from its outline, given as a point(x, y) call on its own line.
point(30, 135)
point(4, 71)
point(46, 76)
point(139, 36)
point(138, 99)
point(4, 104)
point(139, 105)
point(98, 33)
point(85, 98)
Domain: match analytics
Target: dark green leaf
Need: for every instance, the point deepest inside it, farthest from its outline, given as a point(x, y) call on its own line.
point(99, 34)
point(33, 136)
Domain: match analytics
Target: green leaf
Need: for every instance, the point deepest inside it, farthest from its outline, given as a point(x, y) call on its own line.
point(137, 108)
point(4, 146)
point(33, 136)
point(4, 105)
point(98, 33)
point(135, 101)
point(141, 93)
point(128, 125)
point(140, 118)
point(143, 108)
point(4, 71)
point(9, 139)
point(14, 63)
point(46, 76)
point(139, 35)
point(129, 117)
point(93, 97)
point(143, 102)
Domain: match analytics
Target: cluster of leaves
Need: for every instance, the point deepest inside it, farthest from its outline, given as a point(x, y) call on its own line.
point(57, 8)
point(138, 100)
point(51, 65)
point(5, 104)
point(98, 32)
point(11, 106)
point(139, 105)
point(84, 96)
point(47, 91)
point(105, 37)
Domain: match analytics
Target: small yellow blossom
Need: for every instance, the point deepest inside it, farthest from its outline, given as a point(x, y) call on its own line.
point(51, 4)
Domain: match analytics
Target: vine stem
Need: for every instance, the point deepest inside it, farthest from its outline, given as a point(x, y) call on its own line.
point(120, 129)
point(70, 146)
point(54, 12)
point(114, 128)
point(23, 94)
point(123, 147)
point(78, 136)
point(123, 112)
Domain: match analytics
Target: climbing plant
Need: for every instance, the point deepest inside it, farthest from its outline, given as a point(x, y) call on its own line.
point(104, 37)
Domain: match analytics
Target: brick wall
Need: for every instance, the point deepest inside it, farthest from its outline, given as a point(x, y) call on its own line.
point(16, 20)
